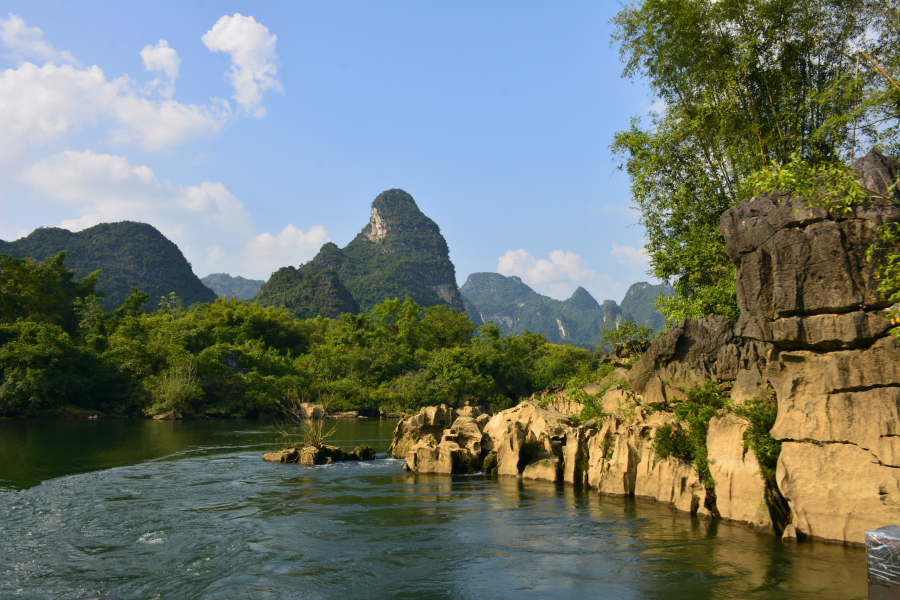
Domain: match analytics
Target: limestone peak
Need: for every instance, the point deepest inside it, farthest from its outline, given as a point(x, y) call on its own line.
point(394, 212)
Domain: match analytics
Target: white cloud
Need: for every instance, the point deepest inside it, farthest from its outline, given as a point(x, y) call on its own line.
point(161, 59)
point(29, 42)
point(158, 125)
point(40, 104)
point(88, 220)
point(557, 276)
point(164, 61)
point(266, 253)
point(562, 266)
point(105, 188)
point(631, 256)
point(253, 58)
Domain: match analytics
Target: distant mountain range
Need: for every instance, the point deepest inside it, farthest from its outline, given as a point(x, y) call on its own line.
point(400, 252)
point(129, 255)
point(516, 307)
point(226, 286)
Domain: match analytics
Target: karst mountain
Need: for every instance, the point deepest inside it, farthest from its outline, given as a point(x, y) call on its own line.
point(128, 254)
point(514, 306)
point(399, 252)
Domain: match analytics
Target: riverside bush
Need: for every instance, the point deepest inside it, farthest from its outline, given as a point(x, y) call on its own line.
point(702, 402)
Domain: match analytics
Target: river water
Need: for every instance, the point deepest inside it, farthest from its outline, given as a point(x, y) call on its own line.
point(172, 510)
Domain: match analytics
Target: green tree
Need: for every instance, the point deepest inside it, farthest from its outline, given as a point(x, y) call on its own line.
point(43, 292)
point(743, 85)
point(41, 367)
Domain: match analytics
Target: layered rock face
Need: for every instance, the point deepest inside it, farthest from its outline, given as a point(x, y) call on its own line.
point(694, 351)
point(613, 456)
point(806, 290)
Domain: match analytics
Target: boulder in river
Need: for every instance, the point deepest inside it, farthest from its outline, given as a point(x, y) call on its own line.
point(524, 434)
point(446, 457)
point(431, 420)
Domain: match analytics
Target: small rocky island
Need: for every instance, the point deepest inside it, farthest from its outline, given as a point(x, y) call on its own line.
point(324, 454)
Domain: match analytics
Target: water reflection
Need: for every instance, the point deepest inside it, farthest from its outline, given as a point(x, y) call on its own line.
point(206, 518)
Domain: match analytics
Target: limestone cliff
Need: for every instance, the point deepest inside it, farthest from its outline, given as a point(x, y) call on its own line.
point(805, 287)
point(399, 252)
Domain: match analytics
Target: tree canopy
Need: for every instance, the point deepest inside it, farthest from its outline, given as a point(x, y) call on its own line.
point(741, 86)
point(59, 347)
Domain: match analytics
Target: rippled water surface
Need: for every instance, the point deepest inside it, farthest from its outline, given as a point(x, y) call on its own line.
point(176, 510)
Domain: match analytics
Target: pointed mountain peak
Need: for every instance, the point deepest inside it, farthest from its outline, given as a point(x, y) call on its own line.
point(396, 211)
point(583, 300)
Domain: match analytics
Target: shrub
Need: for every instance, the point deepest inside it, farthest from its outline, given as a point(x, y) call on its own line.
point(702, 403)
point(761, 413)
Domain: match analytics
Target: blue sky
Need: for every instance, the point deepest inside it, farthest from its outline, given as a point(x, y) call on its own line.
point(252, 133)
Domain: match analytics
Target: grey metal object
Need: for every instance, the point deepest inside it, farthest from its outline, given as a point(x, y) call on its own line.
point(883, 562)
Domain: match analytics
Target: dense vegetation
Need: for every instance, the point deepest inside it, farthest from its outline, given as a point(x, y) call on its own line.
point(226, 286)
point(401, 254)
point(745, 87)
point(577, 320)
point(128, 254)
point(309, 292)
point(60, 348)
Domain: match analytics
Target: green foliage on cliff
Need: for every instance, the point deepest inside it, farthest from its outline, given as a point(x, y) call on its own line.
point(702, 402)
point(761, 413)
point(226, 286)
point(128, 254)
point(744, 86)
point(229, 357)
point(400, 253)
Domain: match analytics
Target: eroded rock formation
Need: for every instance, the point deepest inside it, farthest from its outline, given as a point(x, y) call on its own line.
point(813, 331)
point(804, 286)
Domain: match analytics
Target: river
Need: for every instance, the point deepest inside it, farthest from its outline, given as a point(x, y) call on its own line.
point(187, 509)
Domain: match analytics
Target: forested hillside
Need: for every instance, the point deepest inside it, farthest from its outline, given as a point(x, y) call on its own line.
point(400, 253)
point(578, 320)
point(59, 348)
point(226, 286)
point(639, 301)
point(128, 254)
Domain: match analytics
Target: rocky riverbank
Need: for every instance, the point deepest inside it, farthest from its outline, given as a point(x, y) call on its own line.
point(813, 335)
